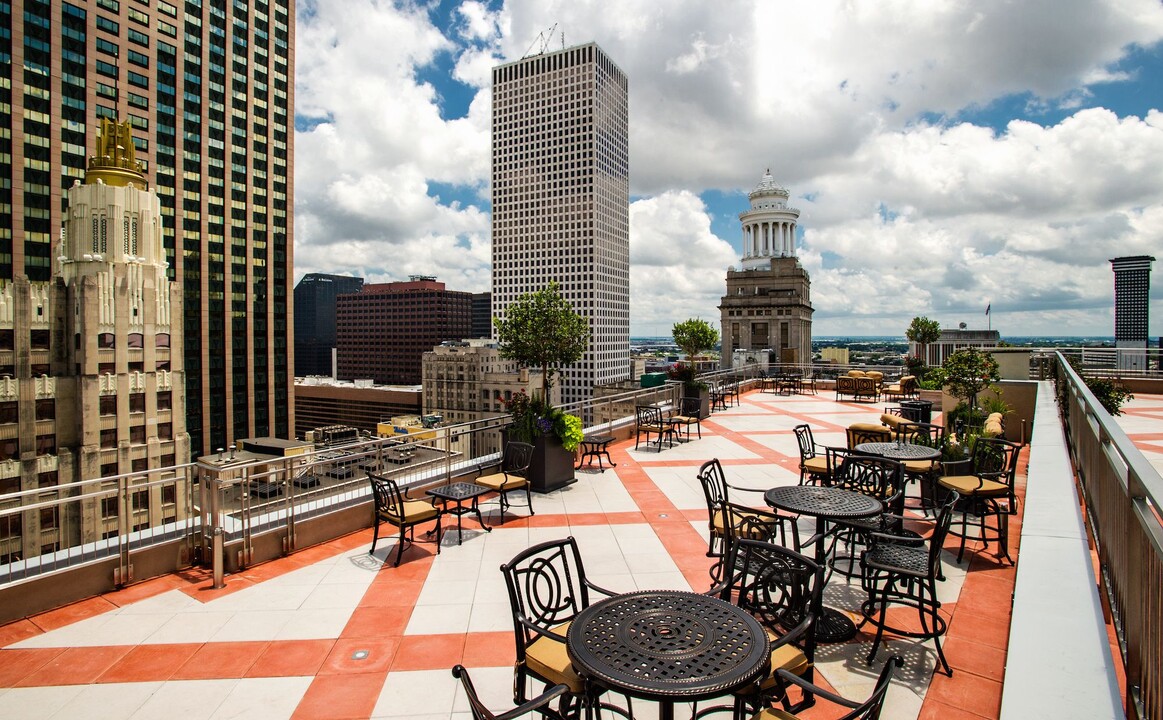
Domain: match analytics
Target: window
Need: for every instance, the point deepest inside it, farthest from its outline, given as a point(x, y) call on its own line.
point(106, 340)
point(9, 412)
point(165, 400)
point(48, 518)
point(136, 402)
point(109, 469)
point(134, 340)
point(46, 444)
point(46, 409)
point(169, 494)
point(40, 339)
point(140, 500)
point(109, 438)
point(109, 508)
point(107, 404)
point(165, 431)
point(137, 434)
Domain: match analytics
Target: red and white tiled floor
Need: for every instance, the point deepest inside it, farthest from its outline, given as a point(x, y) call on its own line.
point(332, 632)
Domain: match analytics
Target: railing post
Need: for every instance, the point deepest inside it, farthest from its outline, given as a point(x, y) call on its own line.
point(218, 559)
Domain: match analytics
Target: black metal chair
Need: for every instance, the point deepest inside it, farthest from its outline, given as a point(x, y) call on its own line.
point(547, 588)
point(902, 570)
point(870, 709)
point(923, 471)
point(782, 589)
point(859, 433)
point(987, 490)
point(725, 520)
point(393, 506)
point(512, 474)
point(650, 422)
point(539, 704)
point(876, 477)
point(689, 414)
point(813, 456)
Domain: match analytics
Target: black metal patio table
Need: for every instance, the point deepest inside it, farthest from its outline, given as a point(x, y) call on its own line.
point(899, 450)
point(824, 504)
point(668, 646)
point(460, 493)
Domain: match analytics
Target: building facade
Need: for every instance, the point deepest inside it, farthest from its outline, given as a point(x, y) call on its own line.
point(209, 88)
point(363, 405)
point(315, 320)
point(383, 330)
point(482, 315)
point(1132, 309)
point(92, 382)
point(951, 341)
point(561, 198)
point(768, 304)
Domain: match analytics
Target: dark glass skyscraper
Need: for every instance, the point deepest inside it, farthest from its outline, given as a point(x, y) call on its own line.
point(208, 86)
point(315, 320)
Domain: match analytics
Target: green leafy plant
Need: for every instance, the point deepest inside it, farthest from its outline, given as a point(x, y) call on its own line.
point(1109, 393)
point(923, 331)
point(692, 336)
point(542, 330)
point(533, 418)
point(967, 372)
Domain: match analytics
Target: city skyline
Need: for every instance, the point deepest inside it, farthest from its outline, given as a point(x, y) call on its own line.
point(1003, 170)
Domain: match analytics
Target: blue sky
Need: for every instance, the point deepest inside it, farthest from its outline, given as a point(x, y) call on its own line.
point(944, 156)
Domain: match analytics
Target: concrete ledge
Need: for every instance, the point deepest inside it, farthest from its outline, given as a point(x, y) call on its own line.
point(1059, 663)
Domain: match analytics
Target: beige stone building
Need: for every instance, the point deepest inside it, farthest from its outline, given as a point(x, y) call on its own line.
point(91, 370)
point(768, 301)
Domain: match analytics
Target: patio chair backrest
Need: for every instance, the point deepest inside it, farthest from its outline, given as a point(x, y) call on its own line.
point(547, 587)
point(871, 708)
point(517, 457)
point(871, 475)
point(995, 459)
point(714, 483)
point(806, 441)
point(389, 499)
point(649, 415)
point(926, 434)
point(940, 531)
point(859, 433)
point(775, 584)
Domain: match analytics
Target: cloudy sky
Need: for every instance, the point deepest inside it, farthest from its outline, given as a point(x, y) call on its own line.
point(944, 154)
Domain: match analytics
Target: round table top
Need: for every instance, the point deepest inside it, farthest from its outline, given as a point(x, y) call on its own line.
point(828, 503)
point(668, 645)
point(899, 451)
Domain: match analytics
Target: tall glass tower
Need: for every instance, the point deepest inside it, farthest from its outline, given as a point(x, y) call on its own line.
point(561, 198)
point(208, 87)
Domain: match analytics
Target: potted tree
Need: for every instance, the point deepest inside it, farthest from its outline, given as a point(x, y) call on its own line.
point(965, 374)
point(693, 336)
point(542, 330)
point(922, 331)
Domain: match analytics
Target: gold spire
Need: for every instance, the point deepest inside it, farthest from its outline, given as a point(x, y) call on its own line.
point(113, 161)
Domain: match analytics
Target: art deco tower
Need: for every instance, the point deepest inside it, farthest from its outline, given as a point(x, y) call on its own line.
point(768, 303)
point(561, 198)
point(208, 86)
point(1132, 309)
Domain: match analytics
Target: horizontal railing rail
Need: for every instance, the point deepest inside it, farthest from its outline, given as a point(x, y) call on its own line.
point(1123, 493)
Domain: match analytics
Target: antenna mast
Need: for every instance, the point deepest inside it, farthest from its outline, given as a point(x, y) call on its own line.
point(544, 38)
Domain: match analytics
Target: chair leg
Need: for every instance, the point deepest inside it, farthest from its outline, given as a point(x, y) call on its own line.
point(529, 498)
point(400, 547)
point(375, 536)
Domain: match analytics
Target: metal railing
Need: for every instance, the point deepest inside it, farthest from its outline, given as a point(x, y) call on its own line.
point(1122, 492)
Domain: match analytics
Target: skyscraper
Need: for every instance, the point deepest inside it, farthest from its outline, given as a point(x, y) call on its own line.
point(1132, 306)
point(315, 320)
point(561, 198)
point(208, 87)
point(768, 305)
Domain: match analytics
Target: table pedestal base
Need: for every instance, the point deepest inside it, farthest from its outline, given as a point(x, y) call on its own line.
point(834, 626)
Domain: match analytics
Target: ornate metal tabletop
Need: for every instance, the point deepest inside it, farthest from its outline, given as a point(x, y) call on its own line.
point(457, 491)
point(825, 503)
point(899, 451)
point(668, 645)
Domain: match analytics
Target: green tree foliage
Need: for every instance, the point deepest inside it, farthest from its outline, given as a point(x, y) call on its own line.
point(923, 331)
point(967, 372)
point(1108, 392)
point(542, 330)
point(693, 336)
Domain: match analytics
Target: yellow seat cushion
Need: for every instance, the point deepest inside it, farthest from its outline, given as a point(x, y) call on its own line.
point(968, 485)
point(817, 464)
point(892, 421)
point(414, 511)
point(785, 657)
point(548, 658)
point(857, 373)
point(919, 467)
point(737, 519)
point(501, 481)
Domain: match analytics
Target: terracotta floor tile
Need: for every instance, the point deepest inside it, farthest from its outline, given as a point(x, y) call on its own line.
point(391, 592)
point(977, 658)
point(70, 614)
point(429, 652)
point(17, 664)
point(291, 658)
point(489, 649)
point(215, 661)
point(14, 632)
point(144, 590)
point(986, 628)
point(205, 591)
point(377, 622)
point(933, 710)
point(76, 666)
point(377, 656)
point(340, 697)
point(149, 662)
point(966, 690)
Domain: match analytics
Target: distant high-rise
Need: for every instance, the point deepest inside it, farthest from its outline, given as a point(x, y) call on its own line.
point(208, 86)
point(1132, 305)
point(482, 315)
point(383, 331)
point(315, 320)
point(561, 198)
point(768, 305)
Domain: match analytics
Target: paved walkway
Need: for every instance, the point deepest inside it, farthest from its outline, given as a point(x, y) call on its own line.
point(332, 632)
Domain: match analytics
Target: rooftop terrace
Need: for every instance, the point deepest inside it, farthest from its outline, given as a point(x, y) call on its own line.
point(333, 632)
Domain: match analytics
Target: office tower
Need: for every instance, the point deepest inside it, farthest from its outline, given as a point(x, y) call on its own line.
point(208, 87)
point(1132, 309)
point(482, 315)
point(561, 198)
point(383, 330)
point(315, 320)
point(768, 305)
point(92, 365)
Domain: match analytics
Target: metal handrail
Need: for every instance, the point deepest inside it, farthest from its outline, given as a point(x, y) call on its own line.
point(1122, 492)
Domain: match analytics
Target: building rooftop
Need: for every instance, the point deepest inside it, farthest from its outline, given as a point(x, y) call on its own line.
point(333, 632)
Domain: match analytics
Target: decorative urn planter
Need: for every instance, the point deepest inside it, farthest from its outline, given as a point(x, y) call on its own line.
point(552, 465)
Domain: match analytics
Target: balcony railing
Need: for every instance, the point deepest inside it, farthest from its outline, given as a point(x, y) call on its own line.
point(1122, 493)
